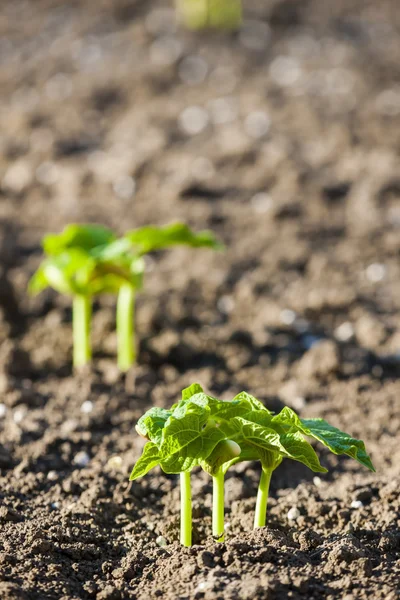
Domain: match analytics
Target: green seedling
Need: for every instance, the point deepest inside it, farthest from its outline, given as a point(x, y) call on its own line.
point(77, 264)
point(88, 260)
point(135, 244)
point(201, 14)
point(203, 431)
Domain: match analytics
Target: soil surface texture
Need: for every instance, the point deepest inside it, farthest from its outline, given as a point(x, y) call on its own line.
point(283, 139)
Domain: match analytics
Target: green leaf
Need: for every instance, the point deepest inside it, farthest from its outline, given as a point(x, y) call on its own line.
point(337, 441)
point(150, 458)
point(151, 424)
point(183, 426)
point(85, 237)
point(299, 449)
point(149, 238)
point(253, 403)
point(257, 435)
point(68, 273)
point(190, 455)
point(190, 391)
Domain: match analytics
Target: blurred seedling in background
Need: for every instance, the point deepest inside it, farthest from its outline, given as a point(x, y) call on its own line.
point(203, 431)
point(202, 14)
point(87, 260)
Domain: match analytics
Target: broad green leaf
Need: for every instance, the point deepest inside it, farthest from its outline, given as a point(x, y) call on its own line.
point(200, 399)
point(183, 426)
point(226, 410)
point(261, 417)
point(257, 435)
point(147, 239)
point(251, 401)
point(151, 424)
point(299, 449)
point(288, 419)
point(68, 273)
point(150, 458)
point(190, 455)
point(337, 441)
point(85, 237)
point(190, 391)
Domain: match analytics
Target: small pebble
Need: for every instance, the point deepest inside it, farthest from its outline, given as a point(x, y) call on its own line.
point(193, 70)
point(285, 71)
point(55, 505)
point(287, 316)
point(3, 410)
point(375, 272)
point(356, 504)
point(18, 177)
point(344, 332)
point(124, 187)
point(82, 459)
point(193, 120)
point(223, 110)
point(261, 202)
point(87, 407)
point(52, 475)
point(293, 514)
point(257, 124)
point(161, 541)
point(317, 481)
point(226, 304)
point(19, 414)
point(115, 462)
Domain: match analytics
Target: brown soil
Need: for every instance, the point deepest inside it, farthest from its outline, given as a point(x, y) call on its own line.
point(303, 307)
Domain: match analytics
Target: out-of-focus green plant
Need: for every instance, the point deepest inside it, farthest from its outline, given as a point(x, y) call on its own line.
point(201, 14)
point(87, 260)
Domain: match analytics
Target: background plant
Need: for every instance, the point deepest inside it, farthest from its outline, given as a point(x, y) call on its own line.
point(203, 431)
point(87, 260)
point(199, 14)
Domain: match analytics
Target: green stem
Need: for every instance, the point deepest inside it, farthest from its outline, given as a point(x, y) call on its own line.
point(81, 316)
point(260, 517)
point(218, 507)
point(125, 328)
point(186, 510)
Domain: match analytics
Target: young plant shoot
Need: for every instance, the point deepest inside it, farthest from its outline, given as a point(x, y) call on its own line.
point(213, 434)
point(87, 260)
point(200, 14)
point(77, 264)
point(133, 246)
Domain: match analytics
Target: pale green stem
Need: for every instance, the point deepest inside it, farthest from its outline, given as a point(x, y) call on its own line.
point(218, 507)
point(81, 316)
point(186, 510)
point(125, 327)
point(260, 517)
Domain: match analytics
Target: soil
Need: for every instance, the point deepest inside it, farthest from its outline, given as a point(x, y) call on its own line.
point(291, 156)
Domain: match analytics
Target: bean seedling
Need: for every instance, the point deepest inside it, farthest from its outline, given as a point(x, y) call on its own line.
point(87, 260)
point(200, 14)
point(203, 431)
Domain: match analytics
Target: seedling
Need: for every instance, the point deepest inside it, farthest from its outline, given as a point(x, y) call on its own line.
point(87, 260)
point(203, 431)
point(134, 245)
point(200, 14)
